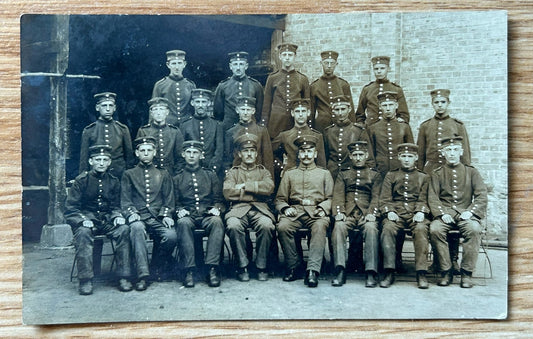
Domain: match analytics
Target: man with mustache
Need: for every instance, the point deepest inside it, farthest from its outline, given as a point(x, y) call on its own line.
point(175, 88)
point(304, 200)
point(239, 84)
point(106, 131)
point(325, 89)
point(247, 188)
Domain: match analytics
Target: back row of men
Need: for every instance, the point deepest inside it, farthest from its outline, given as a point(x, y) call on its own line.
point(304, 194)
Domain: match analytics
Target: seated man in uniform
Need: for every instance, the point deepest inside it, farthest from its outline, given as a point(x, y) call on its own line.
point(457, 197)
point(147, 199)
point(248, 188)
point(355, 207)
point(93, 207)
point(403, 200)
point(168, 137)
point(304, 200)
point(199, 203)
point(247, 125)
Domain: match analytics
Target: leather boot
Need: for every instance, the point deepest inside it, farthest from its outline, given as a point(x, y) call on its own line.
point(189, 279)
point(340, 277)
point(86, 287)
point(388, 280)
point(446, 278)
point(312, 278)
point(371, 279)
point(213, 278)
point(243, 275)
point(421, 280)
point(466, 279)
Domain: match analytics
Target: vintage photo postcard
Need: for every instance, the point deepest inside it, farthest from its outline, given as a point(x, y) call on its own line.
point(264, 167)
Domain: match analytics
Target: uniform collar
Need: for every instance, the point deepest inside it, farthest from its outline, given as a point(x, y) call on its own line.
point(197, 117)
point(290, 71)
point(453, 166)
point(242, 166)
point(97, 174)
point(104, 121)
point(192, 169)
point(158, 126)
point(442, 118)
point(382, 81)
point(344, 124)
point(248, 124)
point(241, 78)
point(408, 170)
point(175, 78)
point(307, 168)
point(328, 77)
point(145, 166)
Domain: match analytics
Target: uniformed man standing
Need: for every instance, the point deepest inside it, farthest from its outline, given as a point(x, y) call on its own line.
point(168, 137)
point(281, 88)
point(245, 107)
point(457, 197)
point(388, 133)
point(324, 89)
point(205, 129)
point(106, 131)
point(175, 88)
point(147, 200)
point(283, 145)
point(368, 110)
point(433, 130)
point(239, 84)
point(403, 202)
point(247, 188)
point(355, 208)
point(93, 207)
point(304, 200)
point(343, 132)
point(199, 203)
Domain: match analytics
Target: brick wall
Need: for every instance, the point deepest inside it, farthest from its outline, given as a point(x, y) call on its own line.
point(465, 52)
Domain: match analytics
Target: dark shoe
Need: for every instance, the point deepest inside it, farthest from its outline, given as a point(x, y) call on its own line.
point(312, 279)
point(189, 279)
point(371, 279)
point(421, 280)
point(213, 279)
point(466, 280)
point(124, 285)
point(86, 287)
point(388, 280)
point(262, 276)
point(292, 275)
point(243, 275)
point(141, 285)
point(340, 278)
point(456, 268)
point(446, 278)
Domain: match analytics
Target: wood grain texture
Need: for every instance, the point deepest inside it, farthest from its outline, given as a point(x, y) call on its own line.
point(520, 151)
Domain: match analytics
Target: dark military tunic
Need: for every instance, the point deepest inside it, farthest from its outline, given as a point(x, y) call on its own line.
point(209, 131)
point(169, 146)
point(385, 136)
point(264, 146)
point(111, 133)
point(148, 192)
point(304, 188)
point(96, 197)
point(356, 195)
point(323, 90)
point(282, 87)
point(430, 134)
point(284, 143)
point(178, 92)
point(454, 189)
point(404, 192)
point(226, 96)
point(249, 209)
point(197, 190)
point(336, 139)
point(368, 110)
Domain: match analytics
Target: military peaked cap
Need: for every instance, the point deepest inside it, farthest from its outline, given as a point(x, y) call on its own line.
point(158, 101)
point(193, 144)
point(246, 140)
point(245, 101)
point(388, 96)
point(175, 54)
point(286, 47)
point(440, 93)
point(306, 141)
point(146, 140)
point(300, 102)
point(407, 148)
point(358, 146)
point(340, 100)
point(105, 96)
point(452, 140)
point(201, 93)
point(329, 55)
point(381, 60)
point(238, 56)
point(100, 150)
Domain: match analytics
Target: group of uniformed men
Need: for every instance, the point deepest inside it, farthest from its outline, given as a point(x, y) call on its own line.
point(274, 161)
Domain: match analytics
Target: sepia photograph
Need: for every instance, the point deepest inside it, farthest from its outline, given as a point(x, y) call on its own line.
point(264, 167)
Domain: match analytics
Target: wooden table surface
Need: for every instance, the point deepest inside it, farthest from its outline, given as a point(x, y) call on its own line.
point(520, 155)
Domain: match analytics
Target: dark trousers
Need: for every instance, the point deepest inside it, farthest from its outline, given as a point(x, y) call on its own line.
point(264, 230)
point(287, 229)
point(214, 227)
point(389, 240)
point(370, 232)
point(470, 231)
point(164, 242)
point(84, 240)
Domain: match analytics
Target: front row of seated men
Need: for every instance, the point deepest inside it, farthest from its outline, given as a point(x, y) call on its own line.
point(169, 209)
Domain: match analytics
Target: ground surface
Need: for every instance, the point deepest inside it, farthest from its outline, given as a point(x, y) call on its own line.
point(50, 297)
